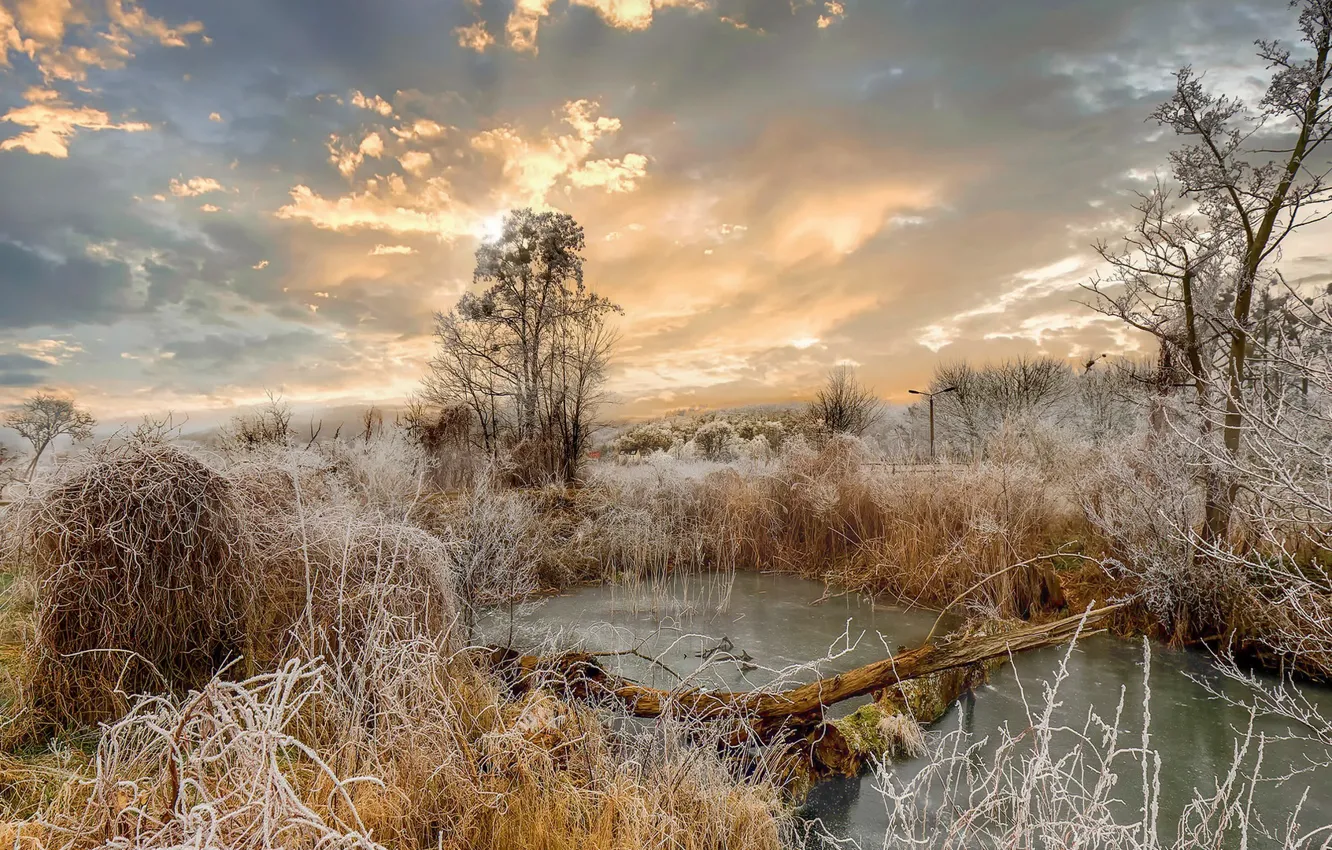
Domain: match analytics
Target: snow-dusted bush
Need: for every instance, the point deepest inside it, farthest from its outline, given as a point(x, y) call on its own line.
point(716, 440)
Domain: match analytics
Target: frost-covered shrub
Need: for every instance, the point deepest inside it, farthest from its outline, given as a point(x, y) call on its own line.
point(716, 440)
point(756, 448)
point(645, 439)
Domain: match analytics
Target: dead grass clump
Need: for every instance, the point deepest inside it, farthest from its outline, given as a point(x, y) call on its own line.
point(953, 527)
point(333, 580)
point(140, 556)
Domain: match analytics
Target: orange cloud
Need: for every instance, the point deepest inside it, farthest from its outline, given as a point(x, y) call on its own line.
point(370, 211)
point(525, 20)
point(636, 14)
point(839, 220)
point(533, 167)
point(9, 37)
point(523, 23)
point(415, 162)
point(135, 21)
point(833, 11)
point(41, 28)
point(613, 175)
point(348, 159)
point(374, 104)
point(475, 37)
point(195, 186)
point(422, 128)
point(52, 123)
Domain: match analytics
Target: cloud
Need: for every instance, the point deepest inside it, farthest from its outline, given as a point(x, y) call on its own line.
point(135, 21)
point(52, 352)
point(839, 220)
point(833, 11)
point(65, 38)
point(533, 167)
point(10, 39)
point(210, 208)
point(422, 128)
point(372, 145)
point(523, 23)
point(215, 117)
point(633, 15)
point(14, 362)
point(474, 37)
point(415, 162)
point(349, 159)
point(909, 191)
point(368, 211)
point(613, 175)
point(194, 187)
point(52, 123)
point(374, 104)
point(38, 289)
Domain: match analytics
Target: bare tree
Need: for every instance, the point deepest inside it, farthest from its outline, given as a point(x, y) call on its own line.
point(987, 397)
point(7, 472)
point(269, 425)
point(534, 273)
point(1254, 175)
point(845, 405)
point(473, 369)
point(575, 387)
point(372, 420)
point(528, 355)
point(44, 418)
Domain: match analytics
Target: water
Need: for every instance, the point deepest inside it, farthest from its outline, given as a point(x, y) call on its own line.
point(774, 625)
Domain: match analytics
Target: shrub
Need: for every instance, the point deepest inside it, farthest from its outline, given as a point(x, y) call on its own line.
point(645, 439)
point(716, 440)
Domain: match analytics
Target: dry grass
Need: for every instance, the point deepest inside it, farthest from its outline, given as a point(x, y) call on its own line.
point(292, 759)
point(138, 555)
point(831, 513)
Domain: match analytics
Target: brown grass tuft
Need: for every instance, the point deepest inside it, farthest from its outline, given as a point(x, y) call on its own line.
point(139, 556)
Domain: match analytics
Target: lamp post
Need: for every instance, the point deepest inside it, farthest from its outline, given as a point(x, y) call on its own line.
point(931, 396)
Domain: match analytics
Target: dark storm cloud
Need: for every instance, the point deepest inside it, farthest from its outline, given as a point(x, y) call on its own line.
point(20, 370)
point(217, 350)
point(41, 290)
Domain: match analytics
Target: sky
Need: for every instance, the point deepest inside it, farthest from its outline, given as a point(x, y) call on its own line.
point(202, 202)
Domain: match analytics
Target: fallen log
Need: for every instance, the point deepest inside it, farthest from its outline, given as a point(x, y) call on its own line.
point(789, 716)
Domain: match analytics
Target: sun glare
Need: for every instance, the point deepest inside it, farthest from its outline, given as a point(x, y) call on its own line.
point(492, 228)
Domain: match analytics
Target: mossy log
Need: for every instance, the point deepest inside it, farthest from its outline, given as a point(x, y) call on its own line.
point(792, 717)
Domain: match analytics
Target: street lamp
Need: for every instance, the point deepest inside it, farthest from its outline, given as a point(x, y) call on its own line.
point(931, 396)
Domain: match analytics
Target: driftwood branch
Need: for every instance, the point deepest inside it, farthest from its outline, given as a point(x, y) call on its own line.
point(796, 713)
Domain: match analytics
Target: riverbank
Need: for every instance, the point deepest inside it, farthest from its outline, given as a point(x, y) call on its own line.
point(1036, 532)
